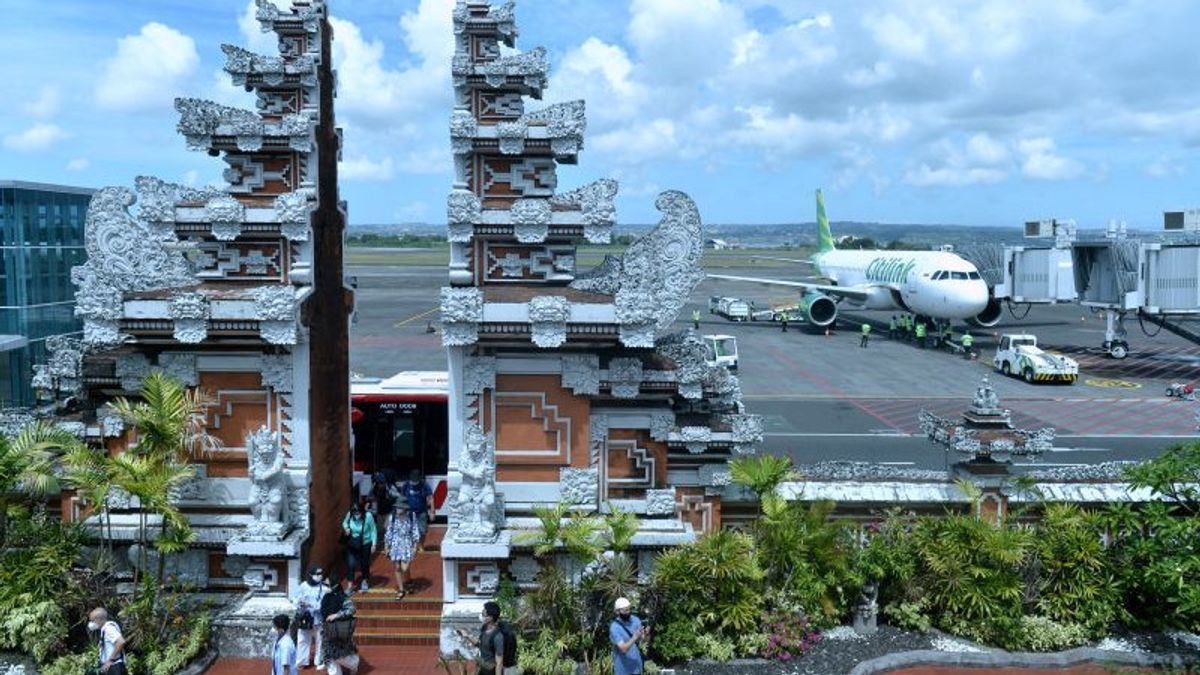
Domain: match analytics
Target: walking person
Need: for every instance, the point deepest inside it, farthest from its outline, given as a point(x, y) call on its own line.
point(112, 642)
point(921, 334)
point(625, 632)
point(696, 319)
point(892, 328)
point(283, 651)
point(402, 537)
point(309, 619)
point(383, 499)
point(785, 321)
point(420, 502)
point(866, 335)
point(967, 342)
point(340, 653)
point(490, 642)
point(358, 533)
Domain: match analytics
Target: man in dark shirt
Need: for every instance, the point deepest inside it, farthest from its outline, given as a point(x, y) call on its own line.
point(420, 503)
point(490, 641)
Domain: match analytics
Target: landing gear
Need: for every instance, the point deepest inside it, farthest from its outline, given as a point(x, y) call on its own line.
point(1115, 344)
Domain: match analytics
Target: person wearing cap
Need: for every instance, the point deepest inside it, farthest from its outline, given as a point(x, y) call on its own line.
point(625, 632)
point(308, 613)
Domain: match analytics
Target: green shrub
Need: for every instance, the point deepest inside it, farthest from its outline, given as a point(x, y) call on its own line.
point(545, 655)
point(35, 628)
point(1076, 584)
point(1036, 634)
point(716, 648)
point(751, 644)
point(909, 615)
point(715, 582)
point(178, 654)
point(71, 664)
point(678, 640)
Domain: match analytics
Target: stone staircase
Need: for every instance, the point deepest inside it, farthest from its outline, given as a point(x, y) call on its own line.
point(383, 620)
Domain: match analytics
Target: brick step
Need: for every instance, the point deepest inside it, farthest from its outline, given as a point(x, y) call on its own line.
point(398, 622)
point(388, 603)
point(387, 637)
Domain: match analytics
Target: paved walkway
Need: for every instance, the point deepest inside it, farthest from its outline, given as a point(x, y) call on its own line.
point(400, 659)
point(1088, 669)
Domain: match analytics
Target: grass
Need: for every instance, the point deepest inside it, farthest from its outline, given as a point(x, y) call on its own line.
point(587, 256)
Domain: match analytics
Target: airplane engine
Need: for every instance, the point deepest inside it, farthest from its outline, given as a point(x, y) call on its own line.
point(819, 310)
point(990, 316)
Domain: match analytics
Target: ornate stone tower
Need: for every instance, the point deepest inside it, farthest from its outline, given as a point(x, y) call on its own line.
point(561, 388)
point(223, 288)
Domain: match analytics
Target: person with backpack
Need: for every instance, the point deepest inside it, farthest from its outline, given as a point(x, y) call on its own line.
point(308, 616)
point(383, 498)
point(625, 632)
point(358, 534)
point(420, 502)
point(341, 653)
point(497, 643)
point(283, 650)
point(112, 642)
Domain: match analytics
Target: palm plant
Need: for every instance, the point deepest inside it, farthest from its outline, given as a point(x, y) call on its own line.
point(90, 472)
point(761, 473)
point(545, 539)
point(27, 465)
point(622, 525)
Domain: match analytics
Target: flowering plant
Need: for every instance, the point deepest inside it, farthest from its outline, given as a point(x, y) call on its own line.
point(789, 636)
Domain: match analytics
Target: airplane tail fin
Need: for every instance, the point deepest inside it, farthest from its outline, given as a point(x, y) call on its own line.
point(824, 234)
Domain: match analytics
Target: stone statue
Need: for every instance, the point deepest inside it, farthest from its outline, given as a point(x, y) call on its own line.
point(985, 396)
point(867, 610)
point(268, 492)
point(474, 508)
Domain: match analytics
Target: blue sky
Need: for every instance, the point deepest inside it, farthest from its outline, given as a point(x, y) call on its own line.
point(986, 112)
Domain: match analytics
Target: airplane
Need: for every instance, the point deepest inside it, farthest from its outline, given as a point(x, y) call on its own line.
point(937, 285)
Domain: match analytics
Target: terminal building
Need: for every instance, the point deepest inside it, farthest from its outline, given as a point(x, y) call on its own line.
point(41, 239)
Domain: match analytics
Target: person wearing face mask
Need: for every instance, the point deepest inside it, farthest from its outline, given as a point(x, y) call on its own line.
point(358, 532)
point(337, 609)
point(283, 652)
point(309, 618)
point(492, 643)
point(112, 643)
point(420, 503)
point(625, 632)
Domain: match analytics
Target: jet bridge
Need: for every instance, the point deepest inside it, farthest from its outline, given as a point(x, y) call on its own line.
point(1038, 272)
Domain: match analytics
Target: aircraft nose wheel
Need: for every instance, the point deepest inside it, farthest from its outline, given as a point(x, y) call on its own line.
point(1118, 350)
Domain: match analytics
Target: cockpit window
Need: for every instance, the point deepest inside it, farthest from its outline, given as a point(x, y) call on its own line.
point(973, 275)
point(958, 275)
point(939, 275)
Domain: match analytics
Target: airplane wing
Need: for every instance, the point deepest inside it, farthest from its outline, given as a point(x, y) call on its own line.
point(848, 292)
point(799, 261)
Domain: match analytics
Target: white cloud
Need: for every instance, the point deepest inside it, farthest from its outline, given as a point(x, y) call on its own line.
point(256, 39)
point(653, 139)
point(1166, 167)
point(1043, 163)
point(148, 69)
point(366, 170)
point(682, 40)
point(40, 136)
point(602, 75)
point(78, 164)
point(46, 105)
point(981, 159)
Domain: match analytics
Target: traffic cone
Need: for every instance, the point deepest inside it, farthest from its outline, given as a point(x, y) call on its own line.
point(826, 331)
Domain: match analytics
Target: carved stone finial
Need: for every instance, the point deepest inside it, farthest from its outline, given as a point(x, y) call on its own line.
point(475, 513)
point(268, 492)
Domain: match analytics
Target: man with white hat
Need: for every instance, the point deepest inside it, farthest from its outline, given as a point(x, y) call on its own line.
point(625, 632)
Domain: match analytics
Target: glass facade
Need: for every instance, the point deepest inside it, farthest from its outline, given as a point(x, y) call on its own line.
point(41, 239)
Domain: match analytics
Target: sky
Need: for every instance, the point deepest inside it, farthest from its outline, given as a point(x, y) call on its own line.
point(975, 112)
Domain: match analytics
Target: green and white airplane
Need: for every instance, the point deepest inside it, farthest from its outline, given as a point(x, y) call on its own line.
point(934, 284)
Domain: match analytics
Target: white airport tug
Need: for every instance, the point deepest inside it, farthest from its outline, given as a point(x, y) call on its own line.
point(1020, 356)
point(721, 350)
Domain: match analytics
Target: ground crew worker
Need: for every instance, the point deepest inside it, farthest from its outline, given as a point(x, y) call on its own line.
point(947, 334)
point(696, 319)
point(866, 335)
point(967, 341)
point(921, 334)
point(784, 320)
point(908, 326)
point(892, 328)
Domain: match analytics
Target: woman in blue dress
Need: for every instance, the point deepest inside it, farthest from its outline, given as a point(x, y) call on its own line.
point(402, 537)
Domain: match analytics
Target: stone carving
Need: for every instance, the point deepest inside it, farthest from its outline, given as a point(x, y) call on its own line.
point(190, 312)
point(548, 315)
point(112, 425)
point(661, 425)
point(660, 502)
point(867, 609)
point(625, 377)
point(695, 438)
point(524, 569)
point(531, 66)
point(131, 369)
point(119, 499)
point(292, 209)
point(531, 220)
point(277, 372)
point(581, 374)
point(463, 130)
point(746, 428)
point(200, 121)
point(188, 567)
point(124, 255)
point(244, 65)
point(714, 475)
point(275, 307)
point(180, 366)
point(598, 437)
point(268, 13)
point(484, 579)
point(225, 215)
point(474, 514)
point(463, 212)
point(462, 310)
point(298, 508)
point(596, 201)
point(579, 486)
point(63, 372)
point(234, 566)
point(268, 491)
point(479, 373)
point(157, 198)
point(511, 136)
point(259, 577)
point(565, 125)
point(603, 278)
point(986, 400)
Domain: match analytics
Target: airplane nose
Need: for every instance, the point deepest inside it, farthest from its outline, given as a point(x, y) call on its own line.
point(977, 298)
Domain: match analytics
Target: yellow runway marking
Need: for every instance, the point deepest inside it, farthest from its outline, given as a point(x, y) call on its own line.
point(415, 317)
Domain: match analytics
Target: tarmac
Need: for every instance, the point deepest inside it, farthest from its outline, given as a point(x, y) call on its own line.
point(825, 398)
